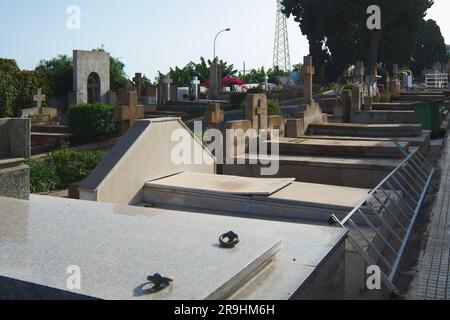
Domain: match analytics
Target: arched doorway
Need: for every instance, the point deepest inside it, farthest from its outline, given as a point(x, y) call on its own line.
point(93, 88)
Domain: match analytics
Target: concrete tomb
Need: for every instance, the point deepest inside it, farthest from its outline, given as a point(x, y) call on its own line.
point(91, 76)
point(272, 261)
point(15, 147)
point(133, 175)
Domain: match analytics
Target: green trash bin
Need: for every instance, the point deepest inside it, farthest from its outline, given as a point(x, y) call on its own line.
point(428, 114)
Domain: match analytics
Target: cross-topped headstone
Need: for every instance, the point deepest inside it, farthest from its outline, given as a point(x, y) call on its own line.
point(168, 81)
point(395, 71)
point(138, 82)
point(195, 83)
point(256, 111)
point(359, 72)
point(39, 98)
point(127, 115)
point(356, 98)
point(308, 73)
point(215, 116)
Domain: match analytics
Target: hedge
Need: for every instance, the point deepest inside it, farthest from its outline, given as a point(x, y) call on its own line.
point(60, 168)
point(92, 122)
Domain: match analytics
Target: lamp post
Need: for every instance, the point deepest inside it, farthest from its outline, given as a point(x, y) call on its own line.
point(215, 39)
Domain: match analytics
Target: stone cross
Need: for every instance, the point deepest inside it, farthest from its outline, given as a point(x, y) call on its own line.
point(215, 116)
point(127, 115)
point(266, 82)
point(395, 71)
point(256, 111)
point(308, 73)
point(138, 82)
point(168, 81)
point(195, 82)
point(39, 98)
point(387, 83)
point(359, 72)
point(215, 77)
point(356, 98)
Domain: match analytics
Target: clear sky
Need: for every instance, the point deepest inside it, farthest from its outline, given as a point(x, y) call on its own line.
point(152, 35)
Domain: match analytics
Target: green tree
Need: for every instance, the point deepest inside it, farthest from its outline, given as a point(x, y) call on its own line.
point(59, 74)
point(430, 47)
point(8, 87)
point(118, 77)
point(182, 76)
point(338, 34)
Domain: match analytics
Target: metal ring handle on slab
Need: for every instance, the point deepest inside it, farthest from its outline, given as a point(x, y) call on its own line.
point(159, 282)
point(229, 240)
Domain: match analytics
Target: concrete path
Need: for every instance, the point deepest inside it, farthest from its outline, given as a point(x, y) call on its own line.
point(434, 273)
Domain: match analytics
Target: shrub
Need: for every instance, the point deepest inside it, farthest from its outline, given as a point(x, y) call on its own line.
point(92, 122)
point(237, 98)
point(43, 177)
point(273, 108)
point(255, 90)
point(60, 168)
point(231, 81)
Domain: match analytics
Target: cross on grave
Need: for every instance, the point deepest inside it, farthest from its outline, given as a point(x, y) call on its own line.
point(359, 72)
point(127, 115)
point(308, 73)
point(39, 98)
point(215, 116)
point(395, 71)
point(168, 81)
point(138, 82)
point(256, 111)
point(195, 82)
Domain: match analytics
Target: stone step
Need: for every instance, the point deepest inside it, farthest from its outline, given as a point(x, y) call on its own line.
point(323, 147)
point(50, 129)
point(367, 130)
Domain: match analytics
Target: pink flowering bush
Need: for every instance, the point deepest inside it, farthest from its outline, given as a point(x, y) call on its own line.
point(231, 81)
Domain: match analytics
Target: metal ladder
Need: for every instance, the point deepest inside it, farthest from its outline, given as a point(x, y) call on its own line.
point(381, 225)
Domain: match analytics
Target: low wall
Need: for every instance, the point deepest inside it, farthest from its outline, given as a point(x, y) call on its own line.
point(384, 117)
point(15, 138)
point(141, 155)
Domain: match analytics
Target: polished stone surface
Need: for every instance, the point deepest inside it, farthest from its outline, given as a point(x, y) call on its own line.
point(117, 247)
point(14, 179)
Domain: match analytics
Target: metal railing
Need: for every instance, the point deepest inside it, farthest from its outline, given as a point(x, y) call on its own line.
point(436, 80)
point(381, 225)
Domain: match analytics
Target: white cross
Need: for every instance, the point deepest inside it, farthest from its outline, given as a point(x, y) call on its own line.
point(39, 98)
point(168, 81)
point(195, 82)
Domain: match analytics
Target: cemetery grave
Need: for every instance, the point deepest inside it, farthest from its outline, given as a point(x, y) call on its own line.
point(291, 261)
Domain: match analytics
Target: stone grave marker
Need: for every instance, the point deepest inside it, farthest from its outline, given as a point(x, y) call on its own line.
point(167, 83)
point(308, 73)
point(359, 72)
point(195, 87)
point(215, 116)
point(256, 111)
point(127, 115)
point(40, 114)
point(138, 82)
point(215, 78)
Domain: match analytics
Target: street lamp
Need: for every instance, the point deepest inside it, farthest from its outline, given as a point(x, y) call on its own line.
point(215, 39)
